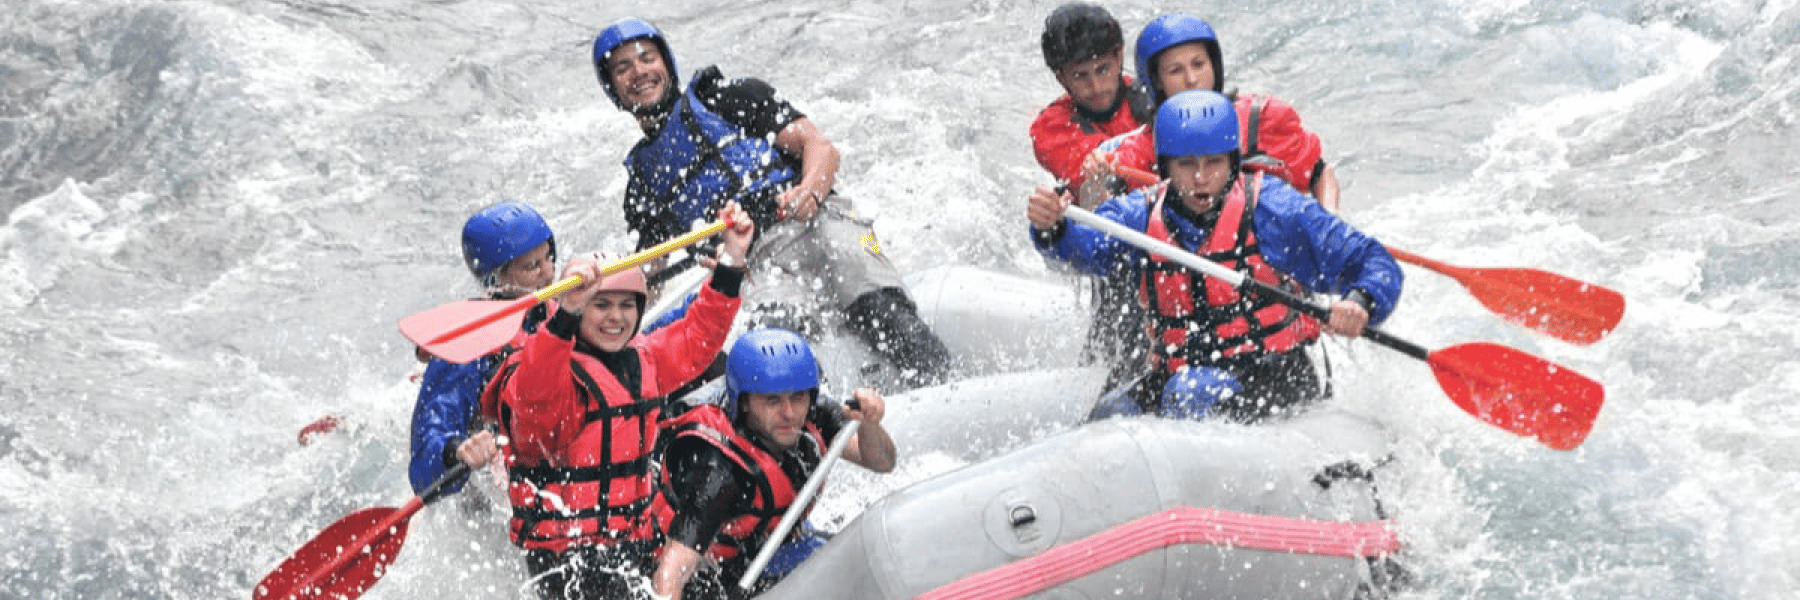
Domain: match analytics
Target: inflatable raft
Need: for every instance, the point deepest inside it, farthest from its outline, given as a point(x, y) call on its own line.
point(1124, 508)
point(1130, 508)
point(991, 322)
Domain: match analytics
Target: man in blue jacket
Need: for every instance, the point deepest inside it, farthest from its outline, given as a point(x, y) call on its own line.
point(511, 251)
point(1217, 349)
point(719, 140)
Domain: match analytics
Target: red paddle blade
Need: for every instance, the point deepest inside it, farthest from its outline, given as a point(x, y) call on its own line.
point(363, 533)
point(1519, 392)
point(461, 332)
point(1572, 310)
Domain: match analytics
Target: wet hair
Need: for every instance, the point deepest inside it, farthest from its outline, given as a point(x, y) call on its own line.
point(1079, 31)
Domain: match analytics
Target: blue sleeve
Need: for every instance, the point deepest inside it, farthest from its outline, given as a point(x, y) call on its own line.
point(1326, 254)
point(449, 399)
point(673, 315)
point(1092, 250)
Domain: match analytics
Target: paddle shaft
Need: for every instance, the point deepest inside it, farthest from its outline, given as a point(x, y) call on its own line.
point(1236, 279)
point(1139, 177)
point(792, 516)
point(1572, 310)
point(567, 283)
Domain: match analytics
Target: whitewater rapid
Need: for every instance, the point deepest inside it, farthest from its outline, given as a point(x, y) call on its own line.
point(217, 210)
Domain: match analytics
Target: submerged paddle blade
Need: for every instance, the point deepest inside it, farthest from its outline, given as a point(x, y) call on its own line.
point(461, 332)
point(1519, 392)
point(1570, 309)
point(316, 571)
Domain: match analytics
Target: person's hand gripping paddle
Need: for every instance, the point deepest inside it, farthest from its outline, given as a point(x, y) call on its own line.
point(1501, 386)
point(1568, 309)
point(463, 331)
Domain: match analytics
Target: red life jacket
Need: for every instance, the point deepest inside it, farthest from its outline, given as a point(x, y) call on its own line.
point(600, 490)
point(1229, 324)
point(1275, 142)
point(771, 493)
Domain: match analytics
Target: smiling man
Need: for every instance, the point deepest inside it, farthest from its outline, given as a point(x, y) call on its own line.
point(737, 140)
point(1217, 350)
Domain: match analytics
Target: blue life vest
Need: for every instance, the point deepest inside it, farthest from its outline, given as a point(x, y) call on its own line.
point(699, 160)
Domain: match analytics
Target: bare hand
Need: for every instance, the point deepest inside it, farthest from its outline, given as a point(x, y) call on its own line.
point(1347, 319)
point(1045, 208)
point(1096, 170)
point(478, 449)
point(739, 234)
point(588, 266)
point(870, 407)
point(799, 203)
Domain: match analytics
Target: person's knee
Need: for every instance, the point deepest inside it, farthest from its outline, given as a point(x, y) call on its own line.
point(1192, 391)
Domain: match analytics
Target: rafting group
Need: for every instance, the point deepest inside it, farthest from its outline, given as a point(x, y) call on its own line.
point(1206, 218)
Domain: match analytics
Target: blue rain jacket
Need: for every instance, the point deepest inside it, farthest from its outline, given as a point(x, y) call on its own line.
point(1296, 235)
point(449, 401)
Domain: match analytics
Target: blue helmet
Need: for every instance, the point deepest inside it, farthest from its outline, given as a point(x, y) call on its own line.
point(769, 361)
point(1192, 391)
point(625, 30)
point(1169, 31)
point(1196, 123)
point(499, 233)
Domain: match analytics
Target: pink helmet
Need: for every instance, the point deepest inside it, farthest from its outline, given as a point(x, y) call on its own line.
point(629, 280)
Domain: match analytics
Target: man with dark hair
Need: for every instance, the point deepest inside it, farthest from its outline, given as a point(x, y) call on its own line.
point(1085, 47)
point(1220, 349)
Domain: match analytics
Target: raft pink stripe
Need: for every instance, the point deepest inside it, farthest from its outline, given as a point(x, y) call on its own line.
point(1168, 528)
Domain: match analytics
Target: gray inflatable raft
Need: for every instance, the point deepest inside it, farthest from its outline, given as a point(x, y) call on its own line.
point(1129, 508)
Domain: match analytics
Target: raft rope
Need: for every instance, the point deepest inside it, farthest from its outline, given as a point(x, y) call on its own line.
point(1168, 528)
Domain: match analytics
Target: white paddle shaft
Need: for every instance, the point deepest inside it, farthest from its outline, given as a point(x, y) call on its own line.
point(792, 515)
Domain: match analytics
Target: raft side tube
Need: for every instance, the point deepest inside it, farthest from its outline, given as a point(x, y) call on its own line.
point(997, 322)
point(1082, 482)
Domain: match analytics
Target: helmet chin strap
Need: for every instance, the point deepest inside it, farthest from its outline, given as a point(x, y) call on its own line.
point(1180, 206)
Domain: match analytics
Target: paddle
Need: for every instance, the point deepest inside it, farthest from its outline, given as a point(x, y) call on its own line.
point(344, 560)
point(792, 516)
point(460, 332)
point(1571, 310)
point(1504, 387)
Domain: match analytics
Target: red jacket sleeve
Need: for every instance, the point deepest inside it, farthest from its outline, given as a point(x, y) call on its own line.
point(546, 406)
point(676, 354)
